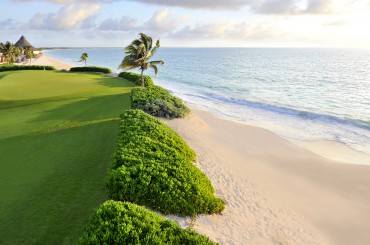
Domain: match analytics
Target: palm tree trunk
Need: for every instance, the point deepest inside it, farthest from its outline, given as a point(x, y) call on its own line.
point(142, 77)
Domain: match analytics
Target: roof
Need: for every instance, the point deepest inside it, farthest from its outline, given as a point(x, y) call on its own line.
point(22, 42)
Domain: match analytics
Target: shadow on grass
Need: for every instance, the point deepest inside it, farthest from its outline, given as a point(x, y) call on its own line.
point(51, 183)
point(93, 108)
point(2, 75)
point(114, 82)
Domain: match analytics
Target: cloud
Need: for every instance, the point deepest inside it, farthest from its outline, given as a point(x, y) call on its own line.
point(162, 22)
point(8, 24)
point(123, 24)
point(68, 1)
point(319, 7)
point(294, 7)
point(67, 17)
point(200, 4)
point(225, 30)
point(277, 7)
point(89, 22)
point(339, 22)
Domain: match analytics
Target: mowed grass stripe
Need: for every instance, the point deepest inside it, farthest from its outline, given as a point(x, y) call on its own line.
point(55, 155)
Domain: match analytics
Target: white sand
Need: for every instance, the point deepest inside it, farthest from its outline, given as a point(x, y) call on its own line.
point(46, 60)
point(276, 192)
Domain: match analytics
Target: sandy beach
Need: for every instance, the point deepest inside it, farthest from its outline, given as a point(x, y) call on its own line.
point(46, 60)
point(276, 192)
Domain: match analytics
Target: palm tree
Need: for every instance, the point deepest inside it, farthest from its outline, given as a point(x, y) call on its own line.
point(1, 52)
point(29, 53)
point(9, 52)
point(139, 53)
point(84, 57)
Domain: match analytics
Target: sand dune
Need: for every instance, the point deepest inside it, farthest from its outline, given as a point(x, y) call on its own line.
point(276, 192)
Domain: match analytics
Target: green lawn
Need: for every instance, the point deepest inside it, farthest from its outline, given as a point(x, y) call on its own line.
point(57, 135)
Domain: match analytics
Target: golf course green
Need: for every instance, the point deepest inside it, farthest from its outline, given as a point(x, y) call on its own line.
point(58, 131)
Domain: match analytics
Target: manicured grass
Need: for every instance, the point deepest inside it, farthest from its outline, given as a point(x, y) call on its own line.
point(57, 135)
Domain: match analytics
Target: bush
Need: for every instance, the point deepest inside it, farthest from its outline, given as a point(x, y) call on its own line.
point(125, 223)
point(153, 166)
point(157, 101)
point(91, 69)
point(18, 68)
point(136, 78)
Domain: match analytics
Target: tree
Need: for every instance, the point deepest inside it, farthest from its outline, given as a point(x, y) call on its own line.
point(84, 57)
point(139, 53)
point(29, 53)
point(9, 52)
point(1, 52)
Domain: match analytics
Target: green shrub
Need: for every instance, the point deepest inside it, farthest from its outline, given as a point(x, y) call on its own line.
point(157, 101)
point(153, 166)
point(126, 223)
point(135, 123)
point(18, 68)
point(136, 78)
point(91, 69)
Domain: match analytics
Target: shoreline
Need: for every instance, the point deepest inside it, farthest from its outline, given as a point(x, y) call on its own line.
point(47, 60)
point(331, 150)
point(276, 191)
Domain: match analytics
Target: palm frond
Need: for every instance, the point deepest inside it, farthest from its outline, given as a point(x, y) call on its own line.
point(157, 62)
point(146, 40)
point(155, 68)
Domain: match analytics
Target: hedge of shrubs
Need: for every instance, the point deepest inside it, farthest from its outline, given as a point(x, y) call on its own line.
point(157, 101)
point(136, 78)
point(153, 166)
point(33, 67)
point(126, 223)
point(91, 69)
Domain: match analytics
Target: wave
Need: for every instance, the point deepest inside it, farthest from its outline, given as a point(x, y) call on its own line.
point(306, 115)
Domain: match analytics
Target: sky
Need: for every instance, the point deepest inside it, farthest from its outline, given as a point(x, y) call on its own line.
point(188, 23)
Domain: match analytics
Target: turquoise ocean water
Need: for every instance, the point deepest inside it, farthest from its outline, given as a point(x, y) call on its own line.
point(300, 94)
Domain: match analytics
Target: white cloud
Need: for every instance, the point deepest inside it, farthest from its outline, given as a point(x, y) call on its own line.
point(162, 22)
point(226, 30)
point(277, 7)
point(294, 7)
point(8, 24)
point(123, 24)
point(68, 1)
point(198, 4)
point(67, 17)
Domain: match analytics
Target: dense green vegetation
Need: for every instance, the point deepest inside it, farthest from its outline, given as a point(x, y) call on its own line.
point(158, 102)
point(19, 68)
point(58, 133)
point(153, 166)
point(126, 223)
point(91, 69)
point(136, 78)
point(139, 53)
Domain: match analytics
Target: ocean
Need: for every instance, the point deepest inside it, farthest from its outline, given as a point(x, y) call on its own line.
point(303, 94)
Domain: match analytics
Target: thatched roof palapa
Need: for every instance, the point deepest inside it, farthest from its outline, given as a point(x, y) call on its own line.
point(22, 42)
